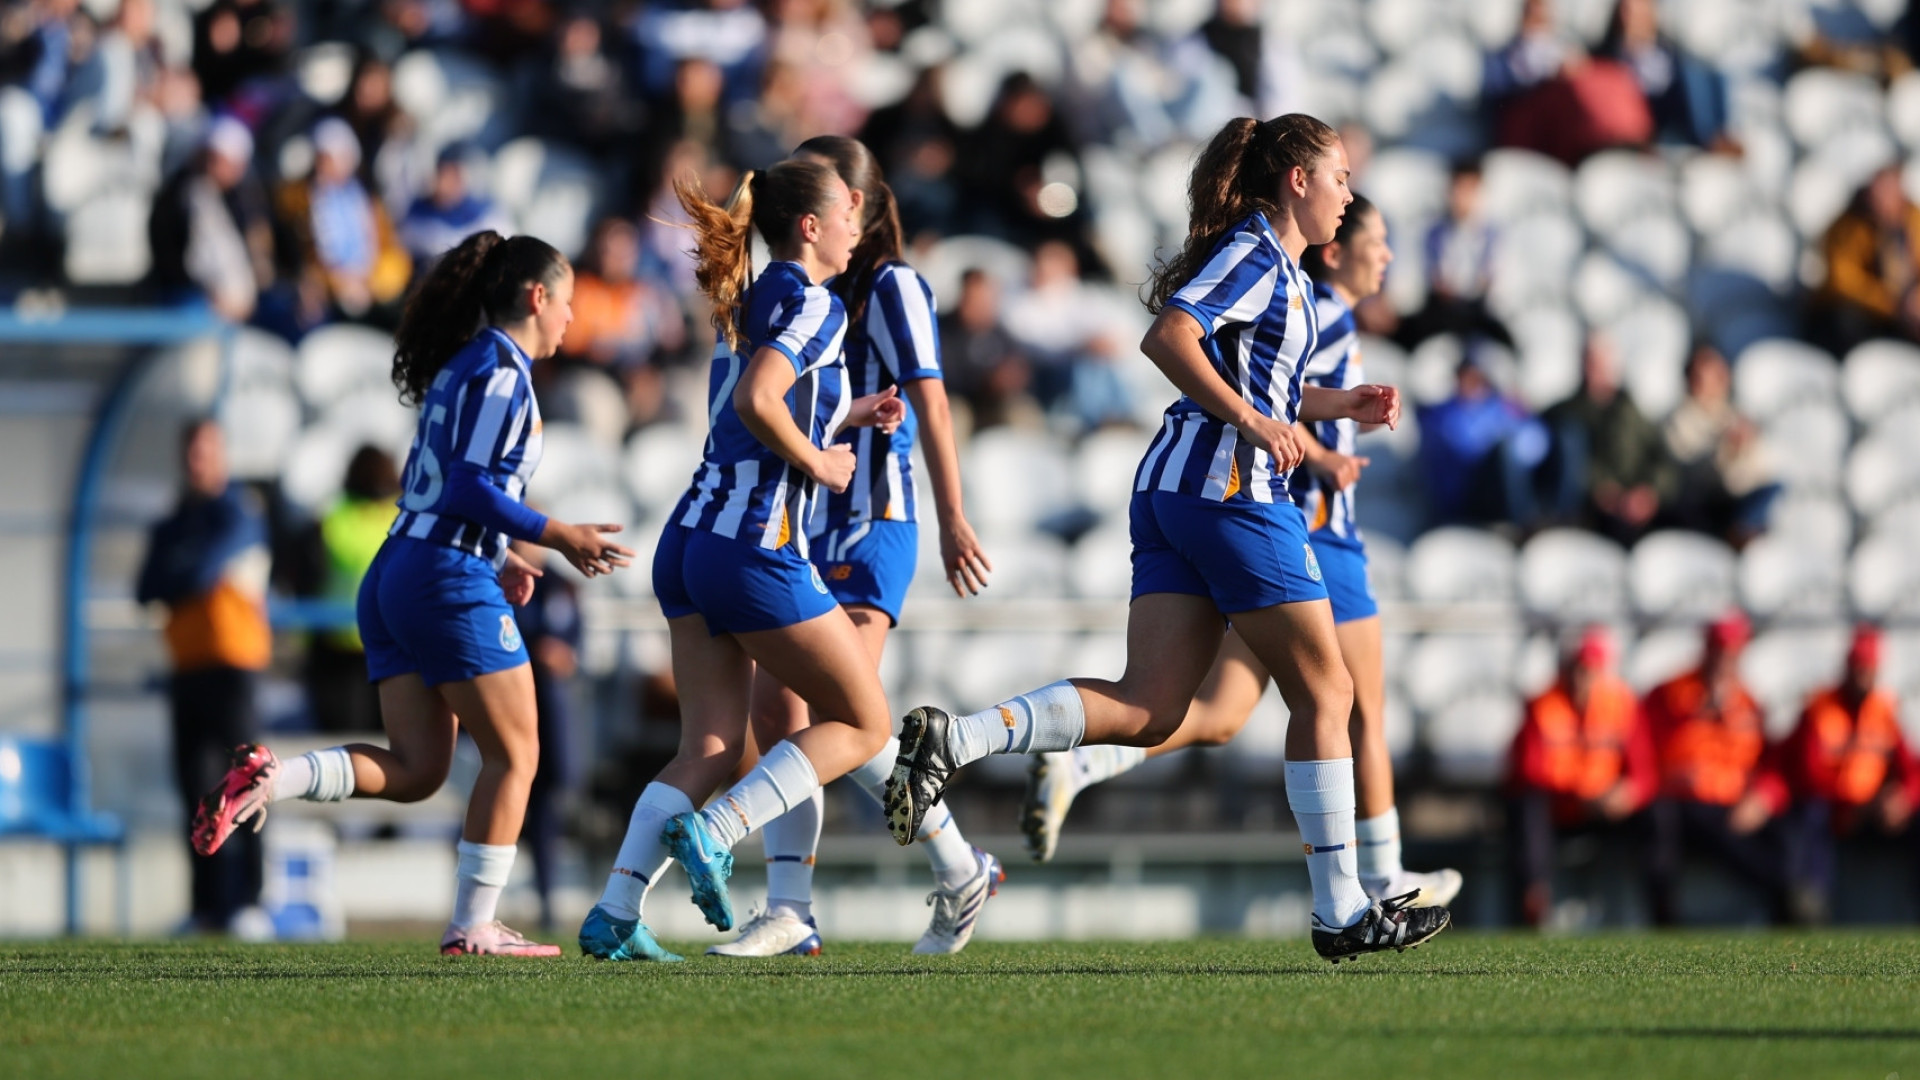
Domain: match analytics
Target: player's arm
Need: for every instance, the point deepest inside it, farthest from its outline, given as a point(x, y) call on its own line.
point(1369, 403)
point(761, 400)
point(1340, 470)
point(961, 556)
point(1173, 344)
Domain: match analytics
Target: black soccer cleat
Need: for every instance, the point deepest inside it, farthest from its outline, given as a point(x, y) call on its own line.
point(921, 772)
point(1388, 924)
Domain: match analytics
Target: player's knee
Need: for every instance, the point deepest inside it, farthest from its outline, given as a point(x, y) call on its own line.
point(416, 785)
point(1160, 720)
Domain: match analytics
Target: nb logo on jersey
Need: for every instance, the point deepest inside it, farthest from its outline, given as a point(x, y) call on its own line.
point(509, 634)
point(839, 571)
point(1313, 562)
point(818, 585)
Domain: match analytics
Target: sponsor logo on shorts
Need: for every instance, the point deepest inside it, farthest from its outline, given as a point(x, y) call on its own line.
point(1313, 562)
point(819, 586)
point(839, 571)
point(509, 634)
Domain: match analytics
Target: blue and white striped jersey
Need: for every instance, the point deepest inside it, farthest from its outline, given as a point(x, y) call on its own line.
point(1254, 303)
point(743, 489)
point(478, 412)
point(894, 341)
point(1335, 365)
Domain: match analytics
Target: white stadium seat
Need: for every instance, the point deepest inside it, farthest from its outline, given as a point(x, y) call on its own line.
point(1714, 191)
point(570, 460)
point(342, 358)
point(1461, 565)
point(1813, 518)
point(1445, 668)
point(1102, 566)
point(1884, 467)
point(1884, 577)
point(1663, 654)
point(952, 256)
point(1761, 243)
point(1605, 289)
point(1550, 340)
point(1807, 444)
point(107, 238)
point(1025, 564)
point(1615, 187)
point(260, 360)
point(1656, 244)
point(1772, 374)
point(1470, 738)
point(1651, 341)
point(1781, 578)
point(1900, 519)
point(1014, 479)
point(1104, 465)
point(1880, 376)
point(1408, 185)
point(1520, 183)
point(374, 415)
point(261, 423)
point(1571, 575)
point(1822, 100)
point(1534, 260)
point(1781, 667)
point(1683, 576)
point(1386, 567)
point(1903, 109)
point(658, 465)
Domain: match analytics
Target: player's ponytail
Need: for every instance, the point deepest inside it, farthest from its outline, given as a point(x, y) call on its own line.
point(880, 233)
point(483, 280)
point(772, 200)
point(1241, 170)
point(1314, 261)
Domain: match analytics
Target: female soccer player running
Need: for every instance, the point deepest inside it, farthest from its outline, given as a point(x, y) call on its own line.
point(433, 609)
point(1345, 271)
point(1215, 532)
point(864, 543)
point(731, 570)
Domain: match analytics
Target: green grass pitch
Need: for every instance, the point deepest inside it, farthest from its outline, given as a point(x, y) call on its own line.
point(1694, 1005)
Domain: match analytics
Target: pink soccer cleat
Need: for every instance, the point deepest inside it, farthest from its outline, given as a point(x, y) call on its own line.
point(243, 795)
point(491, 939)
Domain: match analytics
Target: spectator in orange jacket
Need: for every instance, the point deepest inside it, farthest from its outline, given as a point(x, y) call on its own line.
point(1717, 794)
point(1583, 762)
point(1850, 771)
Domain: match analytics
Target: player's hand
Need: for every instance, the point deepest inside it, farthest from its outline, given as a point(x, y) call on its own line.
point(967, 565)
point(1372, 403)
point(583, 545)
point(516, 578)
point(1748, 815)
point(833, 468)
point(884, 410)
point(1340, 470)
point(1283, 441)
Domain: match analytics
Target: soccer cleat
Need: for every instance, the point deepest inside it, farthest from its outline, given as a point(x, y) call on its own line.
point(1386, 924)
point(708, 865)
point(1052, 783)
point(955, 911)
point(1436, 889)
point(491, 939)
point(770, 933)
point(604, 937)
point(921, 772)
point(243, 795)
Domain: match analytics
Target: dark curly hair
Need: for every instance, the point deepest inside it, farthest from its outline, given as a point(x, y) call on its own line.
point(484, 279)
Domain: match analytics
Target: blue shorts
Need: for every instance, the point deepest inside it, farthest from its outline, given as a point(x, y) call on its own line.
point(1242, 554)
point(870, 563)
point(737, 586)
point(1343, 563)
point(430, 610)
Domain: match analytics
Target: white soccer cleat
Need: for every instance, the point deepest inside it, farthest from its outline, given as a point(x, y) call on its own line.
point(1436, 889)
point(957, 911)
point(1053, 779)
point(771, 933)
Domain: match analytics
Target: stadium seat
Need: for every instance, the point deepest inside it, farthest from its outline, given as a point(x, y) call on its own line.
point(261, 422)
point(1102, 566)
point(1770, 375)
point(38, 802)
point(1782, 578)
point(1782, 666)
point(1760, 243)
point(341, 358)
point(1443, 668)
point(1656, 245)
point(570, 460)
point(1898, 519)
point(1714, 191)
point(1884, 577)
point(260, 360)
point(1808, 444)
point(1675, 575)
point(1813, 518)
point(1884, 467)
point(1386, 567)
point(1605, 289)
point(952, 256)
point(1880, 376)
point(1615, 187)
point(1454, 564)
point(1026, 565)
point(373, 415)
point(1104, 465)
point(324, 71)
point(1399, 96)
point(1408, 185)
point(1470, 738)
point(1518, 184)
point(107, 238)
point(1662, 654)
point(1821, 101)
point(1571, 575)
point(1550, 340)
point(1826, 179)
point(1651, 341)
point(659, 463)
point(1903, 109)
point(1015, 479)
point(1534, 261)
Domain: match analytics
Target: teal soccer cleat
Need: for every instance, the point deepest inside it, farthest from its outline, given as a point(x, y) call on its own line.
point(708, 866)
point(604, 937)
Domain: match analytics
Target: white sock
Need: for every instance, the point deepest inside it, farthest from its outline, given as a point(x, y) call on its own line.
point(783, 780)
point(317, 776)
point(947, 850)
point(1050, 718)
point(642, 855)
point(1321, 795)
point(1379, 838)
point(1093, 764)
point(791, 840)
point(484, 869)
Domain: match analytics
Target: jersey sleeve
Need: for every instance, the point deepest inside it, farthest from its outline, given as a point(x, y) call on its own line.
point(805, 326)
point(1236, 285)
point(493, 404)
point(1337, 333)
point(901, 324)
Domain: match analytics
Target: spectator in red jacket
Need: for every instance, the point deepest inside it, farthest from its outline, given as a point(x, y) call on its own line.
point(1717, 795)
point(1850, 771)
point(1583, 762)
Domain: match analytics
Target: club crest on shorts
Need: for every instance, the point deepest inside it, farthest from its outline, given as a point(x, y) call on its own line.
point(509, 634)
point(1313, 562)
point(819, 584)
